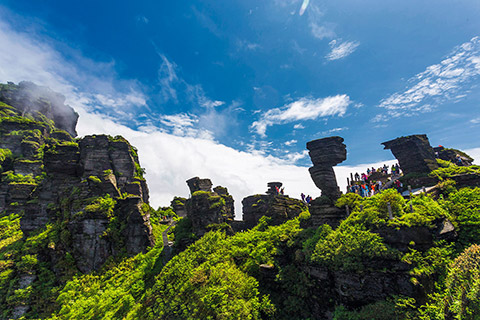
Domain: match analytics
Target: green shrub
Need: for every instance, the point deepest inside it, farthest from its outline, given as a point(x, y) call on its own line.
point(102, 205)
point(350, 248)
point(453, 170)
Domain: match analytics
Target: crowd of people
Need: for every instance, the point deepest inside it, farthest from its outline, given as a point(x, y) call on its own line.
point(364, 185)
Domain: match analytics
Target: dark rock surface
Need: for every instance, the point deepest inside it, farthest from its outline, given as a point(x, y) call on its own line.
point(322, 211)
point(50, 178)
point(206, 208)
point(326, 153)
point(414, 153)
point(451, 155)
point(277, 207)
point(197, 184)
point(27, 97)
point(178, 205)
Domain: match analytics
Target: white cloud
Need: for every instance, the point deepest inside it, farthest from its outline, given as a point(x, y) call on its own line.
point(341, 49)
point(302, 109)
point(291, 142)
point(334, 130)
point(321, 31)
point(27, 56)
point(178, 120)
point(475, 121)
point(298, 126)
point(448, 80)
point(168, 79)
point(475, 154)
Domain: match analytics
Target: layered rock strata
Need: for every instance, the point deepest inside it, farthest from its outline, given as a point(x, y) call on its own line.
point(40, 102)
point(326, 153)
point(414, 153)
point(207, 208)
point(279, 208)
point(92, 189)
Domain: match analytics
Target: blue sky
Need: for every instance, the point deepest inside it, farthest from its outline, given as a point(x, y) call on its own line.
point(261, 78)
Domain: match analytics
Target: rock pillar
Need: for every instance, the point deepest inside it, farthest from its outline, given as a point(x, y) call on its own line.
point(326, 153)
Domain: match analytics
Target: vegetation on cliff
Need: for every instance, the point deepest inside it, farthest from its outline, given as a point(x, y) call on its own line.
point(75, 231)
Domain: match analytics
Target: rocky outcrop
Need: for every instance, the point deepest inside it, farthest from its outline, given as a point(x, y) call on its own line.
point(179, 207)
point(207, 208)
point(40, 102)
point(94, 187)
point(326, 153)
point(414, 153)
point(323, 211)
point(453, 156)
point(197, 184)
point(279, 208)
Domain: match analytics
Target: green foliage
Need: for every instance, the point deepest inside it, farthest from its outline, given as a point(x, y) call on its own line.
point(395, 308)
point(117, 292)
point(20, 257)
point(5, 154)
point(95, 179)
point(352, 200)
point(216, 202)
point(453, 170)
point(350, 248)
point(463, 207)
point(463, 284)
point(183, 233)
point(444, 163)
point(102, 205)
point(460, 299)
point(425, 212)
point(11, 177)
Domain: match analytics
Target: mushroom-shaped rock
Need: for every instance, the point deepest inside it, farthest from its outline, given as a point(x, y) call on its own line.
point(414, 153)
point(326, 153)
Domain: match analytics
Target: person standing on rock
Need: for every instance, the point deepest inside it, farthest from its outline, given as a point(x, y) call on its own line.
point(303, 196)
point(357, 176)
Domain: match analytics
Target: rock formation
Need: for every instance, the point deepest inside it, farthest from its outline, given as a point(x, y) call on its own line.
point(452, 155)
point(326, 153)
point(206, 208)
point(279, 208)
point(40, 102)
point(92, 188)
point(414, 153)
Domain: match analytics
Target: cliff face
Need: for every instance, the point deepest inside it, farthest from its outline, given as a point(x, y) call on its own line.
point(88, 195)
point(40, 102)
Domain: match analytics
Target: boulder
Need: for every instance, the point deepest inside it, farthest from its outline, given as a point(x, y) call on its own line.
point(197, 184)
point(277, 207)
point(414, 153)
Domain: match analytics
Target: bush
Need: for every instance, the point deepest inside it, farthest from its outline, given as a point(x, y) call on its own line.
point(350, 248)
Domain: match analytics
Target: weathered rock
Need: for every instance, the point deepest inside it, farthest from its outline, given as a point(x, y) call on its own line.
point(452, 155)
point(322, 211)
point(326, 153)
point(357, 289)
point(273, 188)
point(178, 205)
point(277, 207)
point(207, 208)
point(197, 184)
point(414, 153)
point(30, 98)
point(403, 238)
